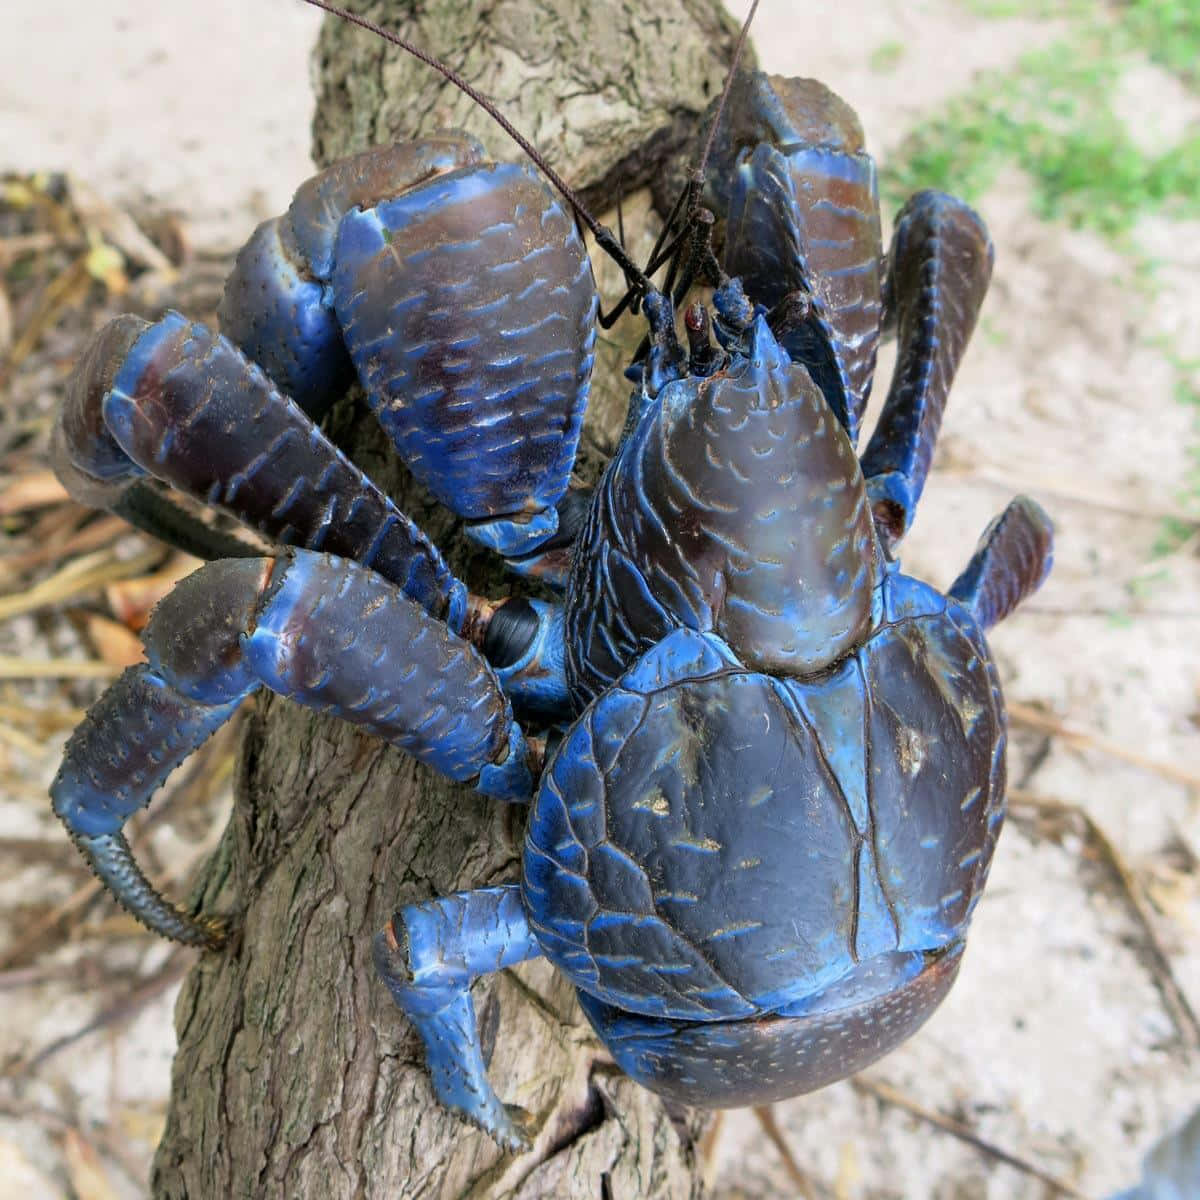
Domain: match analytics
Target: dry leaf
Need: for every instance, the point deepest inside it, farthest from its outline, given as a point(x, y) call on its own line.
point(18, 193)
point(36, 490)
point(15, 666)
point(65, 290)
point(142, 1125)
point(88, 1177)
point(117, 227)
point(107, 264)
point(78, 576)
point(21, 741)
point(114, 642)
point(849, 1172)
point(6, 321)
point(1172, 892)
point(21, 1177)
point(131, 600)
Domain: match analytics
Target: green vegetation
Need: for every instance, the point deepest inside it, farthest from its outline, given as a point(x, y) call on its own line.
point(1052, 115)
point(1176, 532)
point(1168, 31)
point(886, 57)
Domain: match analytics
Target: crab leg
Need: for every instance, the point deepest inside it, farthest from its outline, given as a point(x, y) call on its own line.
point(428, 955)
point(940, 265)
point(1012, 560)
point(144, 506)
point(323, 631)
point(178, 402)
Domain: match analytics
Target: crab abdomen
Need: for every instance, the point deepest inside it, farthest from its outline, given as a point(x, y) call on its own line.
point(726, 1064)
point(710, 842)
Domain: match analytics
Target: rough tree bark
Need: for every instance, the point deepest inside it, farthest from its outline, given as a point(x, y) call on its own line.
point(295, 1074)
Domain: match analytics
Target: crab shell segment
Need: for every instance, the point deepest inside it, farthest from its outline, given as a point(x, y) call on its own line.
point(715, 846)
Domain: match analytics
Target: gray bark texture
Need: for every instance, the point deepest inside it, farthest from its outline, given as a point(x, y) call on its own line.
point(296, 1076)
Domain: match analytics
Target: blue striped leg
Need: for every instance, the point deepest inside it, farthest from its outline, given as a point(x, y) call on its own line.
point(323, 631)
point(428, 955)
point(174, 401)
point(790, 176)
point(177, 402)
point(1012, 560)
point(940, 264)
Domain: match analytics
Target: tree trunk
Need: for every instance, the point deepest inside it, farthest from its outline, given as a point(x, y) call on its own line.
point(296, 1075)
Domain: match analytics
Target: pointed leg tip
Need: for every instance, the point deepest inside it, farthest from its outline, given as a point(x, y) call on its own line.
point(1013, 559)
point(516, 1131)
point(220, 933)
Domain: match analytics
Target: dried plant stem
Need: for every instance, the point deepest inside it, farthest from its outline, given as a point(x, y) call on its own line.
point(82, 575)
point(1008, 481)
point(94, 535)
point(1034, 718)
point(59, 293)
point(21, 741)
point(886, 1094)
point(44, 720)
point(765, 1114)
point(16, 667)
point(126, 1006)
point(1174, 997)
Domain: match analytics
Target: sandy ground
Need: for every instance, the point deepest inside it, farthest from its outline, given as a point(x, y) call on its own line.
point(1059, 1044)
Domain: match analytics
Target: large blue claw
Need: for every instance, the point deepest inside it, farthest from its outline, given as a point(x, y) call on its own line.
point(469, 309)
point(277, 307)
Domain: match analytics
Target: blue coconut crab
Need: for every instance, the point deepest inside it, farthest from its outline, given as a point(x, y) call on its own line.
point(771, 773)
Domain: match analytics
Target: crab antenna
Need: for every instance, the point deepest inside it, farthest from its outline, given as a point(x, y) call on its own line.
point(603, 235)
point(698, 174)
point(689, 199)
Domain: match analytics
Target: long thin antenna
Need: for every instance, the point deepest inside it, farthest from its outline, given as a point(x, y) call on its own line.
point(669, 243)
point(603, 235)
point(716, 121)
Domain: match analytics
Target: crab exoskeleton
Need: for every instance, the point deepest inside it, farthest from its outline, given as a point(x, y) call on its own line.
point(776, 771)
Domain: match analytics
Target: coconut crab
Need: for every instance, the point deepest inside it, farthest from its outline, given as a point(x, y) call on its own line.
point(774, 778)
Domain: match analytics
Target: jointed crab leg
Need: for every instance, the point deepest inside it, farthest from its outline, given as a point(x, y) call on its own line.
point(144, 506)
point(940, 266)
point(176, 401)
point(326, 632)
point(798, 192)
point(429, 955)
point(1012, 560)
